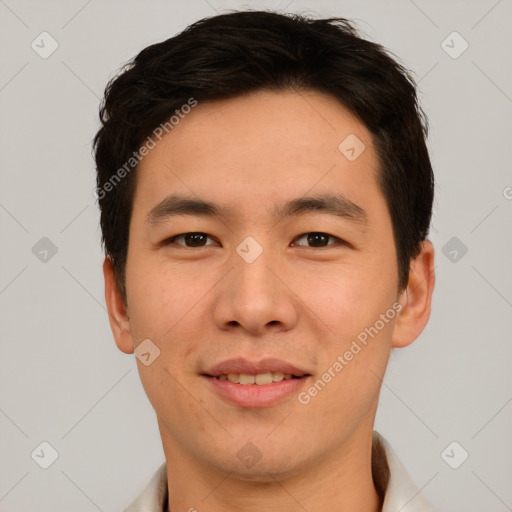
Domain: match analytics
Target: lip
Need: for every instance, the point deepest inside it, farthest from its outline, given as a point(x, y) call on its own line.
point(241, 365)
point(254, 395)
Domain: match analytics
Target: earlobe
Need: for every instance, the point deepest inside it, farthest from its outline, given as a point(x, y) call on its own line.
point(117, 311)
point(416, 299)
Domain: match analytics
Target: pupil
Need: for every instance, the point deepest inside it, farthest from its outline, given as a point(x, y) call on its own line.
point(195, 239)
point(317, 239)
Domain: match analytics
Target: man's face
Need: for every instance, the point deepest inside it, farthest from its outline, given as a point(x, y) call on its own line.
point(213, 299)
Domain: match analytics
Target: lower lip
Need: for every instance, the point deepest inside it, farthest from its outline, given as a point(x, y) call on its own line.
point(254, 395)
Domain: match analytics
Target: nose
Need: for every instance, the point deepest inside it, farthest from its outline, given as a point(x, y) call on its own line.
point(255, 297)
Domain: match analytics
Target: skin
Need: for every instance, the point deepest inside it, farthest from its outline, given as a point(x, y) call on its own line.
point(301, 303)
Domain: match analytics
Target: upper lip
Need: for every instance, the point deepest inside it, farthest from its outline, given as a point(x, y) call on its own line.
point(252, 367)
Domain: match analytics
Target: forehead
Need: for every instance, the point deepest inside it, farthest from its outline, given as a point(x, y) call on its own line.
point(260, 148)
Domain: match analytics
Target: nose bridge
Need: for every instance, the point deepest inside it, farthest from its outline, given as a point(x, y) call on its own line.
point(252, 296)
point(254, 282)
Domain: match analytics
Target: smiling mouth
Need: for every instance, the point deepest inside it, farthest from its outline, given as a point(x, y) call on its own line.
point(260, 379)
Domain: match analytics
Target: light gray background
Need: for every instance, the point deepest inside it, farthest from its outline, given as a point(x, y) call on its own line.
point(62, 378)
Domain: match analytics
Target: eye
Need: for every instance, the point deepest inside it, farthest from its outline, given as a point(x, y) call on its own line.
point(194, 239)
point(317, 239)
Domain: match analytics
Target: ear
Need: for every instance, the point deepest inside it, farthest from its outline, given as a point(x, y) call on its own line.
point(117, 312)
point(416, 299)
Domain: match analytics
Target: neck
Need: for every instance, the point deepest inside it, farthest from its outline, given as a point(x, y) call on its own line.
point(341, 481)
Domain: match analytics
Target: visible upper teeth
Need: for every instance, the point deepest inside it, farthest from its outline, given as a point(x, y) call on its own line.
point(260, 379)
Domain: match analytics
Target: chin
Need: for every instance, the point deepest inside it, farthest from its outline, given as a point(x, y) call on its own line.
point(267, 474)
point(263, 469)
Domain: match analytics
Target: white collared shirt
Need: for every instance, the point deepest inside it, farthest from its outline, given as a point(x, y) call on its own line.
point(400, 493)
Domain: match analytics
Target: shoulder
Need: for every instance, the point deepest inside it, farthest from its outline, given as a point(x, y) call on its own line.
point(154, 496)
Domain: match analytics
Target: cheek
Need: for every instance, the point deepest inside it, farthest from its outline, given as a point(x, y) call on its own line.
point(156, 298)
point(347, 299)
point(161, 305)
point(350, 301)
point(167, 304)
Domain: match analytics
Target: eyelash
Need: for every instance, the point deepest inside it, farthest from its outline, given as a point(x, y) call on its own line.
point(338, 241)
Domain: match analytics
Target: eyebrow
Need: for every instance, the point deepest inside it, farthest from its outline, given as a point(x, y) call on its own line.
point(332, 204)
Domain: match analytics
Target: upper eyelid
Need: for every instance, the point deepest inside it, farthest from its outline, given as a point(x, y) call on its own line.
point(167, 240)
